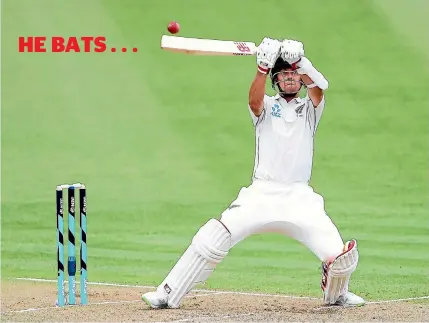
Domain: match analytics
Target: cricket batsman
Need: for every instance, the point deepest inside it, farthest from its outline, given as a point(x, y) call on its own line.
point(279, 198)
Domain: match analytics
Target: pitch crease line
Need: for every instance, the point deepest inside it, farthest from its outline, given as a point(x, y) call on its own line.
point(152, 287)
point(95, 303)
point(224, 292)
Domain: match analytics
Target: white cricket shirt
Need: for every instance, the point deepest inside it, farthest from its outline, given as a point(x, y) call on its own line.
point(284, 139)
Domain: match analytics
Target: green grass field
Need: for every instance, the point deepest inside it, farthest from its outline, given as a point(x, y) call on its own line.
point(164, 141)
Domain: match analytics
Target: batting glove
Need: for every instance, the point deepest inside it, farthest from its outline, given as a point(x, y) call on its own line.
point(267, 53)
point(292, 51)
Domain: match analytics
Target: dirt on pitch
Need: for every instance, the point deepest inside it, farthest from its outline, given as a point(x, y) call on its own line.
point(27, 301)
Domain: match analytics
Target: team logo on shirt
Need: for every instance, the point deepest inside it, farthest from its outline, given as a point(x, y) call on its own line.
point(299, 110)
point(275, 111)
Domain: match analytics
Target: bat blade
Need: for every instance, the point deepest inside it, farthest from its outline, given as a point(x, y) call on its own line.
point(213, 47)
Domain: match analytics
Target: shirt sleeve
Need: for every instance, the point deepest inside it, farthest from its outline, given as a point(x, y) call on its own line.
point(255, 119)
point(315, 113)
point(319, 110)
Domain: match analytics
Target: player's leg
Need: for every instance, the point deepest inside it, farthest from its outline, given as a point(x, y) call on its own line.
point(336, 276)
point(339, 260)
point(208, 248)
point(301, 215)
point(317, 231)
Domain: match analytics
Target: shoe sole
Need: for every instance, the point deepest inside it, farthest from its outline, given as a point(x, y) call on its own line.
point(358, 305)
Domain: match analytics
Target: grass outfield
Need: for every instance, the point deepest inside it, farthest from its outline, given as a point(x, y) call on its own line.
point(164, 142)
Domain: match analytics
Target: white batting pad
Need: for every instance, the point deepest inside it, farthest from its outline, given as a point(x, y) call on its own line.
point(336, 275)
point(209, 247)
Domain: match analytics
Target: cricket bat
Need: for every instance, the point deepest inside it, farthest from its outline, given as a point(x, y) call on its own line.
point(213, 47)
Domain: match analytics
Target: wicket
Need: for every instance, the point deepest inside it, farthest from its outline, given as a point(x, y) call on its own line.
point(71, 263)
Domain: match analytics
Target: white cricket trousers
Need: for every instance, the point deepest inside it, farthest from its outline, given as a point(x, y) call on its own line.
point(294, 210)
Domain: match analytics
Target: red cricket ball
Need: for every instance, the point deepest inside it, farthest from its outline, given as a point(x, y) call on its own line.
point(173, 27)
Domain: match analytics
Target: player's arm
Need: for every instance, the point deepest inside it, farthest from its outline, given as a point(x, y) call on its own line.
point(314, 80)
point(257, 93)
point(266, 55)
point(315, 93)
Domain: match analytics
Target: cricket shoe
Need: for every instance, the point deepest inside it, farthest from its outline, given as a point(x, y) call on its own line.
point(350, 300)
point(155, 299)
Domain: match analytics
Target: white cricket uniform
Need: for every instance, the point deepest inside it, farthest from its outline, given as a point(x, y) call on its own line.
point(280, 198)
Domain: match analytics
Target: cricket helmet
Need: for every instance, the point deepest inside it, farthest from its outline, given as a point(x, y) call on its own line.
point(280, 65)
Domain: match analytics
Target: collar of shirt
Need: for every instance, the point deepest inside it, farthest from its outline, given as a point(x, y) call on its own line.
point(284, 103)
